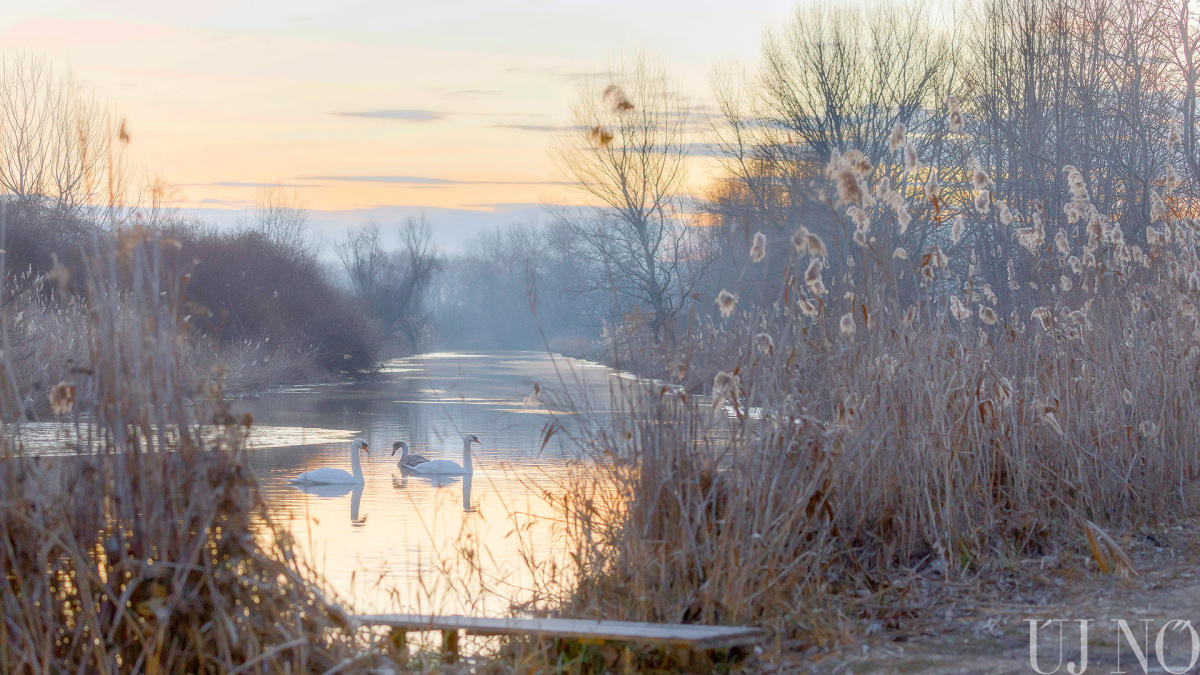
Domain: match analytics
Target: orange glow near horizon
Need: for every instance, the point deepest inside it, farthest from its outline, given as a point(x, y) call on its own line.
point(448, 107)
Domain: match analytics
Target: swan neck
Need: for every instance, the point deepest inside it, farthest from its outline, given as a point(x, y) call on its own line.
point(467, 455)
point(356, 464)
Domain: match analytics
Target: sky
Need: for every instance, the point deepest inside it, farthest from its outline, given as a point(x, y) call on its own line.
point(369, 109)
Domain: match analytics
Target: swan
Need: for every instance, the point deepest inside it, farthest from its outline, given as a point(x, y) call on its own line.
point(328, 475)
point(407, 461)
point(444, 467)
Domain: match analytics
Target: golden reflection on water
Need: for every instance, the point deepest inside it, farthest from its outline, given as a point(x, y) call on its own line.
point(421, 544)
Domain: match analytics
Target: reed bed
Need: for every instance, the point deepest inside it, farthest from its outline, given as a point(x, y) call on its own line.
point(149, 549)
point(895, 418)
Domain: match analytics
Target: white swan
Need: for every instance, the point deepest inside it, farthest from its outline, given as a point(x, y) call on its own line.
point(444, 467)
point(407, 461)
point(331, 476)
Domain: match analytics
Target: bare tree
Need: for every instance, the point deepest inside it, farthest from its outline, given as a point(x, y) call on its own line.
point(627, 150)
point(54, 143)
point(281, 216)
point(842, 78)
point(393, 284)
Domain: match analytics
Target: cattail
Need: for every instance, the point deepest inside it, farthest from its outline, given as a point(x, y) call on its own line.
point(1076, 318)
point(903, 217)
point(860, 238)
point(1174, 137)
point(846, 325)
point(959, 310)
point(900, 254)
point(1158, 208)
point(859, 163)
point(860, 218)
point(765, 344)
point(1065, 283)
point(983, 202)
point(980, 180)
point(62, 398)
point(1032, 237)
point(1062, 243)
point(600, 136)
point(939, 258)
point(1171, 180)
point(815, 245)
point(987, 315)
point(1004, 391)
point(1044, 317)
point(910, 315)
point(808, 307)
point(883, 190)
point(848, 187)
point(1117, 236)
point(726, 302)
point(725, 385)
point(932, 186)
point(759, 250)
point(957, 229)
point(912, 163)
point(1006, 215)
point(956, 120)
point(1148, 429)
point(1051, 421)
point(812, 278)
point(896, 139)
point(800, 240)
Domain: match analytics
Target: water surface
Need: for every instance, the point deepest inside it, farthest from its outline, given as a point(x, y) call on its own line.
point(396, 543)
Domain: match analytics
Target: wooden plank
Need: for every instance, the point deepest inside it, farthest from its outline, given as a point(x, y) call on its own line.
point(687, 635)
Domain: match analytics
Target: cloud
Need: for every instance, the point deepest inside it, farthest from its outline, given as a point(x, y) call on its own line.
point(228, 183)
point(527, 127)
point(227, 203)
point(555, 73)
point(426, 181)
point(504, 207)
point(403, 115)
point(467, 92)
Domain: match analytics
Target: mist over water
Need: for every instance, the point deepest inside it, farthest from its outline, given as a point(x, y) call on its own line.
point(379, 546)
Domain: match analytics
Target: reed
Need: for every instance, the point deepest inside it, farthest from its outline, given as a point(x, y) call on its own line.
point(148, 549)
point(811, 464)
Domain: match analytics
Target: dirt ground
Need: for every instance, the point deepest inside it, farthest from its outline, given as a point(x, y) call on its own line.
point(982, 625)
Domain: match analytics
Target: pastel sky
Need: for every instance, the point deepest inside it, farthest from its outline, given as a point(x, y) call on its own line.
point(370, 108)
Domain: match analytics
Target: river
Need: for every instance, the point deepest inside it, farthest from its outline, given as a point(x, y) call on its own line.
point(418, 544)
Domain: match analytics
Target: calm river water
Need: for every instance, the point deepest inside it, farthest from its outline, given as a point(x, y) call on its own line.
point(395, 543)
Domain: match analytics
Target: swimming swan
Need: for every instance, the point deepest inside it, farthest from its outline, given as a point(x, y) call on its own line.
point(445, 467)
point(407, 461)
point(327, 475)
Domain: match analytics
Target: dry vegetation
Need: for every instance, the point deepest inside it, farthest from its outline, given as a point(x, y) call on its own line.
point(148, 550)
point(960, 359)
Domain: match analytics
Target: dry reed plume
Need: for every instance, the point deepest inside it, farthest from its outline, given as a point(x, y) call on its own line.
point(148, 550)
point(892, 414)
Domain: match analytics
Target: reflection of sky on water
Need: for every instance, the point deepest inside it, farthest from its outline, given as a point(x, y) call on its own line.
point(394, 532)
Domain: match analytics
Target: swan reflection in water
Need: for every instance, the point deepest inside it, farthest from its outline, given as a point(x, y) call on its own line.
point(438, 481)
point(332, 490)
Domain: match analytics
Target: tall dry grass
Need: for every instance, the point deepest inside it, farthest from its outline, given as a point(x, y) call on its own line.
point(892, 415)
point(149, 550)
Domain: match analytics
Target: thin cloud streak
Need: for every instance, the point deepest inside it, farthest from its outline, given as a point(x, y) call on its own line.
point(402, 115)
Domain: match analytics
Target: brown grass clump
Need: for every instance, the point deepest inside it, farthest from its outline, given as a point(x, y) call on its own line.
point(149, 549)
point(908, 419)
